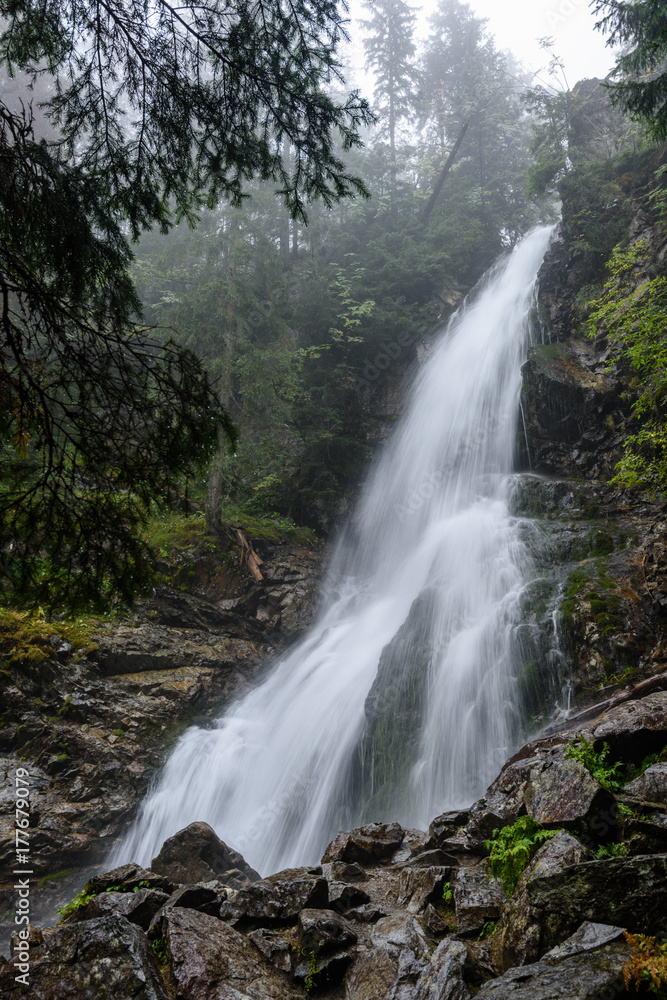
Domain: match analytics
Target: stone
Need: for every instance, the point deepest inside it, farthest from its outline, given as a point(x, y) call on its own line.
point(651, 786)
point(274, 946)
point(323, 971)
point(196, 854)
point(645, 836)
point(209, 960)
point(198, 897)
point(277, 899)
point(443, 978)
point(368, 914)
point(419, 886)
point(367, 844)
point(587, 975)
point(586, 938)
point(399, 932)
point(103, 959)
point(521, 930)
point(477, 898)
point(432, 858)
point(634, 728)
point(137, 907)
point(343, 896)
point(322, 931)
point(630, 891)
point(372, 977)
point(128, 877)
point(433, 922)
point(444, 826)
point(562, 792)
point(340, 871)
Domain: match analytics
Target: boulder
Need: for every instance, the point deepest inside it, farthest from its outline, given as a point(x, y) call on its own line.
point(137, 907)
point(127, 878)
point(373, 976)
point(560, 791)
point(443, 978)
point(399, 932)
point(323, 971)
point(634, 728)
point(274, 946)
point(523, 932)
point(340, 871)
point(367, 844)
point(651, 786)
point(343, 897)
point(477, 898)
point(632, 891)
point(419, 886)
point(103, 959)
point(367, 914)
point(209, 960)
point(589, 968)
point(196, 854)
point(443, 827)
point(321, 931)
point(277, 899)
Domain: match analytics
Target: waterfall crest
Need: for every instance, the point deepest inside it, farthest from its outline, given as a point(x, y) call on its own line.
point(404, 697)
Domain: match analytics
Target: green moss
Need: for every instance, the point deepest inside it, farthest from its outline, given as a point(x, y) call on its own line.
point(55, 877)
point(24, 635)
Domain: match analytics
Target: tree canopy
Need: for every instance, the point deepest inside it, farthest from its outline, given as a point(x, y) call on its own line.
point(640, 28)
point(155, 110)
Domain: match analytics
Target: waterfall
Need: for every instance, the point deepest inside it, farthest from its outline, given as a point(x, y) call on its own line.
point(406, 695)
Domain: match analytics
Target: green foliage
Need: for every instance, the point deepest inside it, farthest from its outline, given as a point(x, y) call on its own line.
point(447, 893)
point(79, 900)
point(512, 848)
point(160, 948)
point(631, 313)
point(639, 30)
point(596, 762)
point(24, 635)
point(487, 930)
point(615, 850)
point(390, 51)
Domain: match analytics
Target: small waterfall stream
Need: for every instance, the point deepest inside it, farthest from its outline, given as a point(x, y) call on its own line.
point(405, 697)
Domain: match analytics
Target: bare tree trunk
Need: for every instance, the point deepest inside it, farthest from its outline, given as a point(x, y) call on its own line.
point(443, 173)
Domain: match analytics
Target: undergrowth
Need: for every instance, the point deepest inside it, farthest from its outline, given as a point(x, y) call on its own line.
point(597, 763)
point(512, 848)
point(647, 965)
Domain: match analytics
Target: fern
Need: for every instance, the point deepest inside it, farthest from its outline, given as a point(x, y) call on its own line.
point(596, 763)
point(647, 965)
point(512, 849)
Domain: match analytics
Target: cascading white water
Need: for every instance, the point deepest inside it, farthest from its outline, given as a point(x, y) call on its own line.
point(434, 575)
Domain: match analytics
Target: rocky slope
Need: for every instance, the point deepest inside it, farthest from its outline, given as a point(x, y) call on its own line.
point(393, 913)
point(93, 725)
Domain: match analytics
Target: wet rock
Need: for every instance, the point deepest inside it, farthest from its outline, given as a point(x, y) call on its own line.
point(631, 891)
point(343, 896)
point(373, 976)
point(103, 959)
point(432, 858)
point(562, 792)
point(137, 907)
point(503, 801)
point(209, 960)
point(127, 878)
point(196, 854)
point(274, 946)
point(322, 971)
point(322, 931)
point(586, 975)
point(367, 914)
point(277, 899)
point(635, 728)
point(522, 929)
point(443, 978)
point(399, 932)
point(586, 938)
point(442, 828)
point(367, 844)
point(645, 836)
point(477, 898)
point(419, 886)
point(204, 897)
point(340, 871)
point(433, 922)
point(651, 786)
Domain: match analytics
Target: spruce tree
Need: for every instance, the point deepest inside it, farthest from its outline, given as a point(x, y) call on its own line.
point(390, 50)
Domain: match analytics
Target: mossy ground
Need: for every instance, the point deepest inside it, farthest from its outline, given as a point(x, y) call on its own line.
point(24, 635)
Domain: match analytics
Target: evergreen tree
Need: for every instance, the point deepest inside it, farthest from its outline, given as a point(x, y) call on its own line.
point(155, 110)
point(641, 29)
point(390, 49)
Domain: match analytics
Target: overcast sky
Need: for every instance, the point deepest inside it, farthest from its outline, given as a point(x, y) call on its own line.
point(517, 25)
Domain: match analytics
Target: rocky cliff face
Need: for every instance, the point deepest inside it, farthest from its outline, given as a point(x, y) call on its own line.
point(93, 727)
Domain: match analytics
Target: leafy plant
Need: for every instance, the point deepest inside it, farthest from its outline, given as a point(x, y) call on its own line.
point(512, 848)
point(80, 899)
point(487, 930)
point(447, 893)
point(647, 965)
point(596, 763)
point(160, 948)
point(616, 850)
